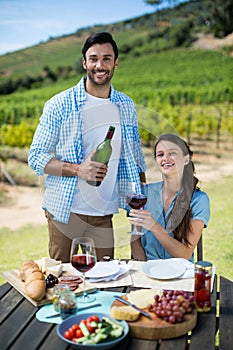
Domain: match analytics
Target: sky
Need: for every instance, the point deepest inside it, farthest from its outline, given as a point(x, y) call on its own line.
point(24, 23)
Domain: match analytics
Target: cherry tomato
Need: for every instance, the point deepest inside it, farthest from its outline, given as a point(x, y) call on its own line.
point(75, 327)
point(68, 335)
point(94, 318)
point(90, 328)
point(78, 333)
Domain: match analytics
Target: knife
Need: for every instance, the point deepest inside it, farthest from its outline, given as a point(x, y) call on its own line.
point(79, 309)
point(144, 313)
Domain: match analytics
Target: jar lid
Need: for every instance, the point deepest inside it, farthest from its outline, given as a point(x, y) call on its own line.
point(106, 258)
point(203, 263)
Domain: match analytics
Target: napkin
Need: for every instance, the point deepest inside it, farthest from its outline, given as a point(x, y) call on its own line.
point(105, 298)
point(189, 267)
point(122, 271)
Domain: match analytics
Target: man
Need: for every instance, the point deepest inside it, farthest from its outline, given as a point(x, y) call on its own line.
point(73, 123)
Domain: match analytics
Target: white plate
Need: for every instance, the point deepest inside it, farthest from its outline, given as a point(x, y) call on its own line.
point(103, 269)
point(163, 269)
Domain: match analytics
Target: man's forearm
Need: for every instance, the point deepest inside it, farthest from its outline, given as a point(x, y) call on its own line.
point(58, 168)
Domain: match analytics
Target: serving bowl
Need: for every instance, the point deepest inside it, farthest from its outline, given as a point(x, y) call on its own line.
point(67, 323)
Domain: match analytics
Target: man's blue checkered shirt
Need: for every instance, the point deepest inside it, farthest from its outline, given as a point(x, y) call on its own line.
point(59, 135)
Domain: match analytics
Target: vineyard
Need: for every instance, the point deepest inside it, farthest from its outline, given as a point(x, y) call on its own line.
point(182, 90)
point(175, 87)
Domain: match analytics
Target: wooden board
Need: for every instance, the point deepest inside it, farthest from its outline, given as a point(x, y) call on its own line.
point(145, 328)
point(12, 277)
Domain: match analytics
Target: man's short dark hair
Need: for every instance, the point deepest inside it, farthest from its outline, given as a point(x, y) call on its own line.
point(100, 38)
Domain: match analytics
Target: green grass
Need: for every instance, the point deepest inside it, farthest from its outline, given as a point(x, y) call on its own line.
point(31, 242)
point(218, 237)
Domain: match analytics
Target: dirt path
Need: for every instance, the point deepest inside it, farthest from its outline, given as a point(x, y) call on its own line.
point(24, 205)
point(209, 42)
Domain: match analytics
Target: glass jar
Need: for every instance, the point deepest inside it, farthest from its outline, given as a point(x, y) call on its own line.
point(202, 289)
point(57, 292)
point(67, 304)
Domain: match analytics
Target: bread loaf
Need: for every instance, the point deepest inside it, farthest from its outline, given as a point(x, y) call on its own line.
point(26, 267)
point(126, 313)
point(35, 289)
point(35, 285)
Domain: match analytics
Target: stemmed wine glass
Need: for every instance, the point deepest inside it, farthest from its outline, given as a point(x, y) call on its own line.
point(135, 201)
point(83, 258)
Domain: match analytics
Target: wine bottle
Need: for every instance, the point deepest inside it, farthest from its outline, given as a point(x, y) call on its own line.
point(103, 152)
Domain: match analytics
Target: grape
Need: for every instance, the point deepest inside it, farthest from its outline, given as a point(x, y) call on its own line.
point(172, 305)
point(172, 319)
point(50, 281)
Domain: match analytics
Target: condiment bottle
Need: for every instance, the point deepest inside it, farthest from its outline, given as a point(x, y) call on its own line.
point(202, 289)
point(67, 304)
point(57, 292)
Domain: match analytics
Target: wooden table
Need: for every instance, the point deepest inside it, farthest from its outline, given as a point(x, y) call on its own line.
point(19, 328)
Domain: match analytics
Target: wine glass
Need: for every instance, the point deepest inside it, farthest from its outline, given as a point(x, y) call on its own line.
point(83, 258)
point(135, 201)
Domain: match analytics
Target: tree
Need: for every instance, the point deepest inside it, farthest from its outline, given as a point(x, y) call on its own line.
point(220, 13)
point(153, 2)
point(161, 2)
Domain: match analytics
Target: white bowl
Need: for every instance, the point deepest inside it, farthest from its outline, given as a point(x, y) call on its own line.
point(67, 323)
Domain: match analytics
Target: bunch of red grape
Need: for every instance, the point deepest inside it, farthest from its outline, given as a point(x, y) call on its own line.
point(172, 305)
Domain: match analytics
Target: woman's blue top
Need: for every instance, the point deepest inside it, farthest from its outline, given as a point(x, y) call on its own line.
point(200, 207)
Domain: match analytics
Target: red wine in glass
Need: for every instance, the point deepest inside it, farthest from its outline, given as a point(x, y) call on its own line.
point(83, 258)
point(136, 201)
point(82, 262)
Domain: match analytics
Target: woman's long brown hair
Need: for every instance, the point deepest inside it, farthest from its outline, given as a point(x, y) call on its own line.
point(181, 214)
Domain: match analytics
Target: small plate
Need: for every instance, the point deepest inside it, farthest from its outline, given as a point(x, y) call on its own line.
point(103, 269)
point(163, 269)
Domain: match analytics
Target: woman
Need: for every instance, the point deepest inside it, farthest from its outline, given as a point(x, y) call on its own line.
point(176, 211)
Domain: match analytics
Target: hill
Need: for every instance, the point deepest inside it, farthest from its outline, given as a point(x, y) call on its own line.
point(60, 57)
point(172, 81)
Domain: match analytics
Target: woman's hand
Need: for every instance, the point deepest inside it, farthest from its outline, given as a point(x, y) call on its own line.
point(142, 218)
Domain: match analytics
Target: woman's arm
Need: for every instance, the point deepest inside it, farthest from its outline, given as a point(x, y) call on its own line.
point(143, 218)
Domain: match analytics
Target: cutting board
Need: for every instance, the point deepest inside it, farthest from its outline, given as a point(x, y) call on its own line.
point(156, 328)
point(12, 276)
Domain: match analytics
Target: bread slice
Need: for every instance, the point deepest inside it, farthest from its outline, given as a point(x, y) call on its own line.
point(126, 313)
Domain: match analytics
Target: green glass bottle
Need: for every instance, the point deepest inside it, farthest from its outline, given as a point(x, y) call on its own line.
point(103, 152)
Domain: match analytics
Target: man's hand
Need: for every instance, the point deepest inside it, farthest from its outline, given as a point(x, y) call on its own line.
point(91, 170)
point(88, 170)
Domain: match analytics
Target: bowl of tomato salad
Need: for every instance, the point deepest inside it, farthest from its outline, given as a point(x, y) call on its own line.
point(92, 331)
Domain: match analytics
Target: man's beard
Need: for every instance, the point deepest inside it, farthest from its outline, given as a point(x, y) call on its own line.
point(106, 81)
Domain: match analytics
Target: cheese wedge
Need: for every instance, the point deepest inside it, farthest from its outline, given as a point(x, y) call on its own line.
point(126, 313)
point(54, 270)
point(142, 297)
point(44, 263)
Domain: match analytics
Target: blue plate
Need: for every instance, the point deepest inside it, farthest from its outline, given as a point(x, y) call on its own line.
point(66, 324)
